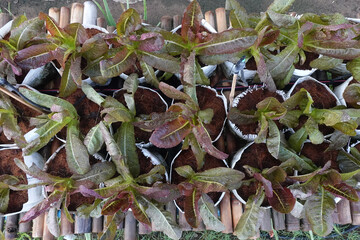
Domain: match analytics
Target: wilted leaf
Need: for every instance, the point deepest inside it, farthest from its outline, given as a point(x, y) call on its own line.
point(282, 200)
point(91, 94)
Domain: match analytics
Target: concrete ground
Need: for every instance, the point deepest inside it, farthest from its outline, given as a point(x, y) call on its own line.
point(158, 8)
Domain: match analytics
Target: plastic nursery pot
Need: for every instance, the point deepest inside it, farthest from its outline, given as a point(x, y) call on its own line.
point(254, 155)
point(21, 201)
point(186, 157)
point(147, 101)
point(247, 100)
point(209, 69)
point(208, 97)
point(323, 98)
point(305, 69)
point(339, 90)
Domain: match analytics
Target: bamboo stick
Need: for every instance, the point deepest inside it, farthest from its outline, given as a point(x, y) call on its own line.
point(23, 227)
point(184, 225)
point(11, 226)
point(77, 13)
point(166, 23)
point(101, 22)
point(38, 226)
point(64, 17)
point(279, 220)
point(144, 229)
point(176, 20)
point(90, 13)
point(335, 216)
point(266, 221)
point(210, 18)
point(97, 225)
point(225, 213)
point(4, 19)
point(221, 19)
point(355, 212)
point(292, 223)
point(236, 210)
point(46, 233)
point(305, 225)
point(66, 227)
point(130, 227)
point(344, 212)
point(55, 14)
point(82, 225)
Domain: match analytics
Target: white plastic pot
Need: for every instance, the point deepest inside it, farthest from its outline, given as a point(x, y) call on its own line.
point(171, 169)
point(237, 99)
point(339, 90)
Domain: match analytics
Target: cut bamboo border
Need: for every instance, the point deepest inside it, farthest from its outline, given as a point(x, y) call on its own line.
point(4, 19)
point(167, 23)
point(55, 14)
point(11, 226)
point(130, 227)
point(64, 17)
point(77, 13)
point(221, 19)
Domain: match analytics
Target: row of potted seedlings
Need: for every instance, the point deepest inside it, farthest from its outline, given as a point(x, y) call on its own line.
point(100, 162)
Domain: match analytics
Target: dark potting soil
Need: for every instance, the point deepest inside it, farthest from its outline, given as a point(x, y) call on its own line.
point(248, 103)
point(187, 157)
point(59, 167)
point(309, 57)
point(146, 102)
point(24, 113)
point(319, 155)
point(322, 98)
point(88, 111)
point(135, 68)
point(257, 156)
point(207, 99)
point(8, 166)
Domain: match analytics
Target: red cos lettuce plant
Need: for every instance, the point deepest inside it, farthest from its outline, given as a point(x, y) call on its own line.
point(182, 121)
point(271, 182)
point(144, 194)
point(62, 188)
point(197, 184)
point(135, 42)
point(193, 45)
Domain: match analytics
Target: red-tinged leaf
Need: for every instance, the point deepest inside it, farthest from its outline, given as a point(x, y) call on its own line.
point(330, 177)
point(121, 62)
point(42, 207)
point(52, 26)
point(139, 212)
point(160, 192)
point(263, 72)
point(191, 21)
point(88, 192)
point(5, 54)
point(191, 208)
point(186, 188)
point(229, 41)
point(172, 92)
point(269, 37)
point(305, 28)
point(151, 42)
point(204, 139)
point(128, 22)
point(282, 200)
point(187, 71)
point(78, 32)
point(266, 184)
point(122, 202)
point(238, 15)
point(67, 85)
point(161, 61)
point(94, 48)
point(20, 35)
point(156, 120)
point(35, 56)
point(171, 133)
point(344, 191)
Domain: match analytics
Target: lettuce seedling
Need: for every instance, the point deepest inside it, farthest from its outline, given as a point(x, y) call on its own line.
point(271, 181)
point(61, 188)
point(144, 194)
point(318, 188)
point(268, 111)
point(135, 42)
point(343, 120)
point(7, 183)
point(183, 120)
point(63, 114)
point(193, 46)
point(195, 187)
